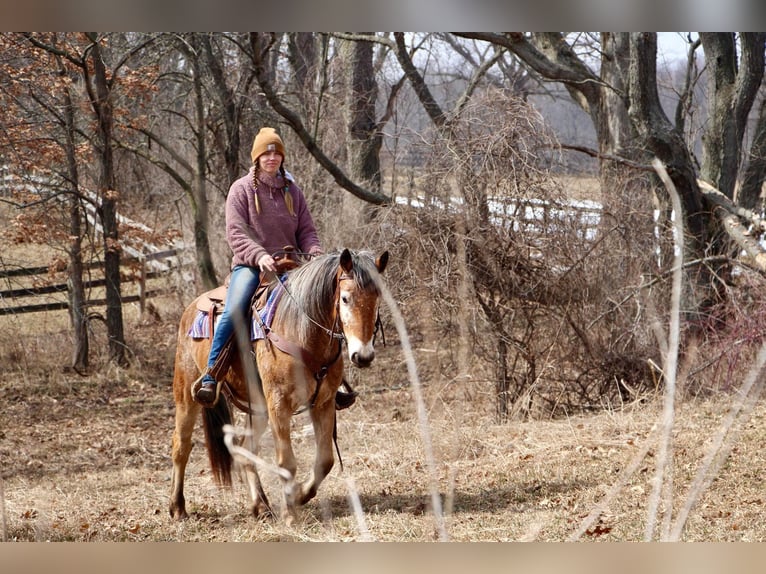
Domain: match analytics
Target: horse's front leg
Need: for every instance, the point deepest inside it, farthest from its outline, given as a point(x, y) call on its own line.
point(280, 419)
point(323, 418)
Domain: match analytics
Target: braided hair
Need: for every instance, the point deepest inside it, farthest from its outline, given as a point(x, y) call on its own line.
point(286, 189)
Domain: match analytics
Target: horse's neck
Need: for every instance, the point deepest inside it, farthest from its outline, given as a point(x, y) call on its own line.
point(294, 324)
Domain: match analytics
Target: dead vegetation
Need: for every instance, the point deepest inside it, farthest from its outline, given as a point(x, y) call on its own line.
point(87, 458)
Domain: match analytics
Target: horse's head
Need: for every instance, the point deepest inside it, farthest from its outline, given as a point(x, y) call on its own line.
point(358, 301)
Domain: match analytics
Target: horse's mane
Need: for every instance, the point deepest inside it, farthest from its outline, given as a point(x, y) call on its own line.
point(310, 290)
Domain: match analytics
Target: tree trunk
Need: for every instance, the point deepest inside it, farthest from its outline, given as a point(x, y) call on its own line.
point(364, 141)
point(108, 209)
point(78, 308)
point(302, 53)
point(751, 190)
point(199, 181)
point(364, 138)
point(624, 191)
point(734, 77)
point(732, 84)
point(667, 143)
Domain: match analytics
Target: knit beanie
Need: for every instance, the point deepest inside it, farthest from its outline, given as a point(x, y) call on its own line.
point(267, 140)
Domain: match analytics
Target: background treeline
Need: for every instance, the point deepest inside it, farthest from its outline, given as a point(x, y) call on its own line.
point(469, 156)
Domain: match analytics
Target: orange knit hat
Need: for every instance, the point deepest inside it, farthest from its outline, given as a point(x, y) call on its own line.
point(267, 140)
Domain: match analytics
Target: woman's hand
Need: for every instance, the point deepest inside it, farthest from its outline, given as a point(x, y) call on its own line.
point(267, 263)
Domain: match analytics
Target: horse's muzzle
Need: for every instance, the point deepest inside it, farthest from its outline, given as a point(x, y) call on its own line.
point(362, 360)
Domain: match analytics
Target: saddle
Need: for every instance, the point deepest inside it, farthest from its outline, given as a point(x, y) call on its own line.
point(212, 302)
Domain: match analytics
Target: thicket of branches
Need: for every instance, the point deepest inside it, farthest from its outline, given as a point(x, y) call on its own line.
point(521, 285)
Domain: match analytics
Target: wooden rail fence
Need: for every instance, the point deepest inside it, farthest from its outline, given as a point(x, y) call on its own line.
point(148, 270)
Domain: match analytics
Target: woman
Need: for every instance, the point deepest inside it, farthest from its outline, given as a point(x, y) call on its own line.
point(265, 211)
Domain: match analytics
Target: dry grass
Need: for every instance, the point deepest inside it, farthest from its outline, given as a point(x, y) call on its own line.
point(579, 187)
point(87, 459)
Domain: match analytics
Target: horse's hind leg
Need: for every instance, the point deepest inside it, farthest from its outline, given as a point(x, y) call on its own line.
point(323, 418)
point(186, 415)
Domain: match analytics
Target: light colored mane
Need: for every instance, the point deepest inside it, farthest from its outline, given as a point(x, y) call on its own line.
point(311, 294)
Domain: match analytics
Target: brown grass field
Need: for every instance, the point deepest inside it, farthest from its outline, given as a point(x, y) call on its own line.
point(87, 458)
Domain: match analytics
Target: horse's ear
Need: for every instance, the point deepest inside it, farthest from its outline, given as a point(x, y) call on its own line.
point(382, 262)
point(345, 261)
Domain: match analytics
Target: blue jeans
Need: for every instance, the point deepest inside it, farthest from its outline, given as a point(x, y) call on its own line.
point(242, 285)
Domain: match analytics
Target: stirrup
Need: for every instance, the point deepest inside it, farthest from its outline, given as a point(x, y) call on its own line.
point(343, 400)
point(197, 386)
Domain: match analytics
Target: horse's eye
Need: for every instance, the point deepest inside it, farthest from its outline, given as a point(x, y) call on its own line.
point(344, 298)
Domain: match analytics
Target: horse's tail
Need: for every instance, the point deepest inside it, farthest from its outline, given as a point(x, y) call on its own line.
point(214, 418)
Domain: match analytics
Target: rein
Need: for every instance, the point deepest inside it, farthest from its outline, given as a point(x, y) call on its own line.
point(329, 332)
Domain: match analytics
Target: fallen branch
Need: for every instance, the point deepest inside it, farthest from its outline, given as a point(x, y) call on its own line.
point(717, 197)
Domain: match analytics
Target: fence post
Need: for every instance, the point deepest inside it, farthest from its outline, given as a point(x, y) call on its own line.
point(142, 286)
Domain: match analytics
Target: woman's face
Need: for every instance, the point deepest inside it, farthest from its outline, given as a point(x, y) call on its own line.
point(270, 161)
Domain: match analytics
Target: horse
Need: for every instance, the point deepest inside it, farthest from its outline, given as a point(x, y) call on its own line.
point(325, 301)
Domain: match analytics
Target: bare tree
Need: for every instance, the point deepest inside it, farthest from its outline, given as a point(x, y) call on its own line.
point(196, 119)
point(628, 82)
point(263, 52)
point(99, 87)
point(50, 102)
point(190, 173)
point(78, 307)
point(365, 137)
point(101, 63)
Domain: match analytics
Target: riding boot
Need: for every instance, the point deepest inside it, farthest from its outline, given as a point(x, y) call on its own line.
point(205, 390)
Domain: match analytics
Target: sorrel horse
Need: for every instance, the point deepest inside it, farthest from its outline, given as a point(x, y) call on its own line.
point(327, 300)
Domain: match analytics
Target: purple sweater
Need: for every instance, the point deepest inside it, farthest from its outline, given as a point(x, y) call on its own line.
point(251, 235)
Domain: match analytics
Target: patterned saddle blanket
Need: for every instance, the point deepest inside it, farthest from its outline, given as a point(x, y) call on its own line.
point(202, 325)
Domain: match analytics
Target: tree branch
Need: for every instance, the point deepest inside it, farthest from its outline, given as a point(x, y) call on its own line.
point(608, 156)
point(721, 200)
point(432, 108)
point(309, 142)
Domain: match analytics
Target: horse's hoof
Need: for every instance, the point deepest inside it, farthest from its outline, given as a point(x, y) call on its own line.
point(262, 512)
point(289, 518)
point(178, 514)
point(306, 496)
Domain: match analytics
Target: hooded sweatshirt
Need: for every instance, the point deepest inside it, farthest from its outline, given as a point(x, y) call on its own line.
point(251, 235)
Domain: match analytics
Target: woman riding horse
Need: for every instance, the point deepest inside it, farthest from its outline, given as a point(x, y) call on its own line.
point(265, 211)
point(330, 302)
